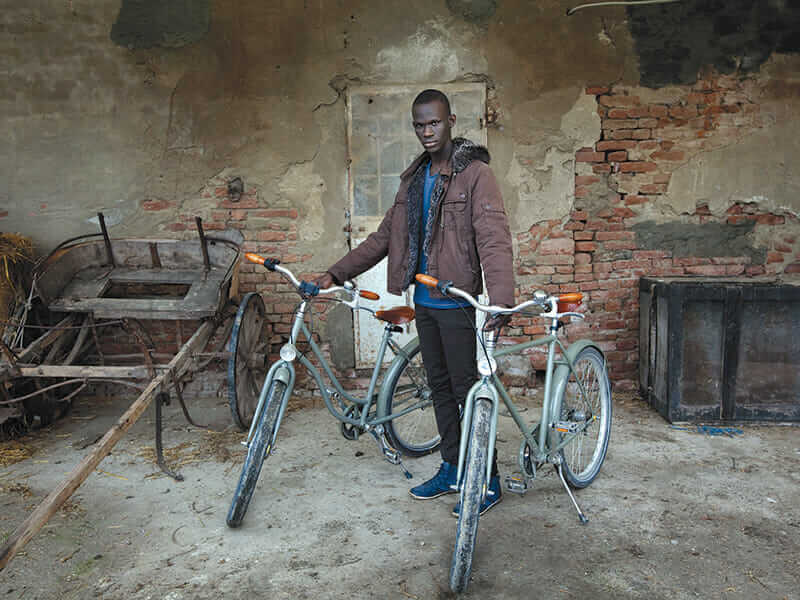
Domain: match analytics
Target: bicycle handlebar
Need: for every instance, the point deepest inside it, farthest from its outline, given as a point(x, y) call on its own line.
point(307, 288)
point(540, 299)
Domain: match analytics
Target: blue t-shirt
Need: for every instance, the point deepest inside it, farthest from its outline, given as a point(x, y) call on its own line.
point(422, 295)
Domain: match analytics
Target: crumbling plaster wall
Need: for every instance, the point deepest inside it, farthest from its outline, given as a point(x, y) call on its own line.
point(761, 166)
point(138, 132)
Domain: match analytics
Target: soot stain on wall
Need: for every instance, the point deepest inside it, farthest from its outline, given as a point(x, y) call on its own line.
point(474, 11)
point(675, 41)
point(705, 240)
point(148, 23)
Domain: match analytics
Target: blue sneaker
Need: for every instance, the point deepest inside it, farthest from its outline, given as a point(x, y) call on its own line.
point(493, 496)
point(438, 485)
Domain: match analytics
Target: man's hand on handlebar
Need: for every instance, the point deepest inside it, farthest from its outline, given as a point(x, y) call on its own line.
point(324, 281)
point(496, 322)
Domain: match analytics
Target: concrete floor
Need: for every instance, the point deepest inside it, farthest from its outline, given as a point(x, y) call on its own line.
point(673, 514)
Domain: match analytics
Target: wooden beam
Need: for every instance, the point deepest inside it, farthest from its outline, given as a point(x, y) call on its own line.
point(88, 372)
point(42, 342)
point(48, 338)
point(78, 475)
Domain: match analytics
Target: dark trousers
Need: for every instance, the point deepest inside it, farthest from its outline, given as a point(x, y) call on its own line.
point(448, 345)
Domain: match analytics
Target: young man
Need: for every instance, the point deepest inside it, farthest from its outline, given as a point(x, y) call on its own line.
point(448, 221)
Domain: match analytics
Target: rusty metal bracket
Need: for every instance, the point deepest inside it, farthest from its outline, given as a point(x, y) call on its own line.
point(203, 244)
point(159, 399)
point(106, 239)
point(177, 387)
point(139, 333)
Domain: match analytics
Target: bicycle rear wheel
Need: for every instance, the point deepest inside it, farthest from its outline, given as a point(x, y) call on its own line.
point(583, 456)
point(472, 494)
point(415, 433)
point(260, 447)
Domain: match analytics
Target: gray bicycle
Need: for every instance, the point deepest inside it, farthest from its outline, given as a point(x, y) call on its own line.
point(398, 412)
point(575, 424)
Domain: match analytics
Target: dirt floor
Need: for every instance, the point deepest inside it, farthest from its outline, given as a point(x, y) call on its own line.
point(674, 514)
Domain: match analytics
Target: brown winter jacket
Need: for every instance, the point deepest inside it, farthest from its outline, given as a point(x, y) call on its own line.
point(467, 228)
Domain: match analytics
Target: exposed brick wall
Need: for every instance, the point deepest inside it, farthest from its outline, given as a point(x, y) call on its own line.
point(596, 251)
point(268, 231)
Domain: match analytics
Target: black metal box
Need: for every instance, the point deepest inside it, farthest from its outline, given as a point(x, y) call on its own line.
point(720, 350)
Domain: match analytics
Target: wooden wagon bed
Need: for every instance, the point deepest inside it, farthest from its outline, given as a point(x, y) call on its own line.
point(93, 281)
point(149, 279)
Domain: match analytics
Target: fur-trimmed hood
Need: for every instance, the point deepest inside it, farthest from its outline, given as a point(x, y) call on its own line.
point(464, 152)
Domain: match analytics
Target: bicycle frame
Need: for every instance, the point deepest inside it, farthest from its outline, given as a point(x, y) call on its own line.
point(489, 387)
point(284, 370)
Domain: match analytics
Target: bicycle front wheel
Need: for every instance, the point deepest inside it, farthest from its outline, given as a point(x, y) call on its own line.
point(415, 433)
point(472, 493)
point(260, 447)
point(584, 454)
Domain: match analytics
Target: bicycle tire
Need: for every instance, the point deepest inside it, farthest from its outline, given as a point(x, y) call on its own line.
point(256, 454)
point(416, 433)
point(589, 365)
point(471, 497)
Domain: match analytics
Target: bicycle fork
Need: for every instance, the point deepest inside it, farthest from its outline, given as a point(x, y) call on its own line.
point(481, 391)
point(280, 371)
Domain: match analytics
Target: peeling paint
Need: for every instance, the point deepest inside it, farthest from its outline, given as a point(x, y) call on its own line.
point(543, 172)
point(582, 123)
point(438, 51)
point(301, 186)
point(112, 217)
point(545, 189)
point(761, 168)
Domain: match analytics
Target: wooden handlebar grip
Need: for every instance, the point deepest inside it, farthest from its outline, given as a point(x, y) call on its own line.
point(427, 280)
point(254, 258)
point(369, 295)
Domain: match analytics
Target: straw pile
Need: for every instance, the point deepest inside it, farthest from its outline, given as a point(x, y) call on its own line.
point(16, 260)
point(12, 452)
point(219, 446)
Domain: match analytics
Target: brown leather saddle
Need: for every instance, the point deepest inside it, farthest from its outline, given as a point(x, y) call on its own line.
point(397, 315)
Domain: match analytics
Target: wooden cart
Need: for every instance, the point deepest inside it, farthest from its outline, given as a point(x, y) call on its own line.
point(92, 282)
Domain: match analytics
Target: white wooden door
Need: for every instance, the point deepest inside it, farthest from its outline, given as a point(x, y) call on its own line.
point(381, 144)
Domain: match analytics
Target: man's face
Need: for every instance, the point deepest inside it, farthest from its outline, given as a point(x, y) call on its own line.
point(432, 125)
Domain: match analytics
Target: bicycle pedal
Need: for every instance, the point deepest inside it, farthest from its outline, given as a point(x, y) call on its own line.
point(517, 485)
point(389, 453)
point(566, 426)
point(392, 455)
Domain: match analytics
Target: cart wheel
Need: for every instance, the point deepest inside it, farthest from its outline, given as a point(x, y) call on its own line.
point(15, 427)
point(246, 364)
point(66, 351)
point(44, 409)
